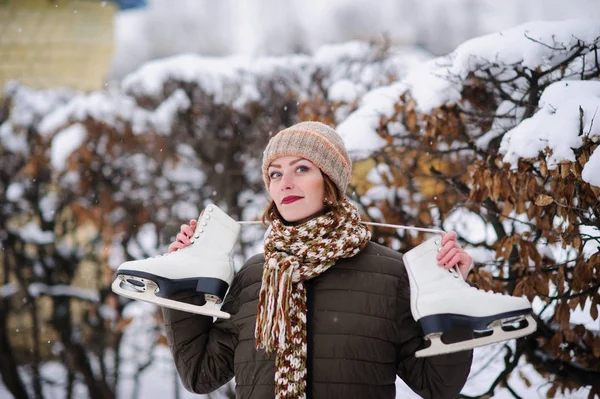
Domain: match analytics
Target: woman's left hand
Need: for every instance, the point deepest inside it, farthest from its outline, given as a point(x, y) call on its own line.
point(452, 255)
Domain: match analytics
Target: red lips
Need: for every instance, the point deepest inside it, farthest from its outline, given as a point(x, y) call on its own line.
point(290, 198)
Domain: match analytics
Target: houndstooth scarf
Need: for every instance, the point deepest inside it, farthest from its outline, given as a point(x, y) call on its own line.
point(294, 254)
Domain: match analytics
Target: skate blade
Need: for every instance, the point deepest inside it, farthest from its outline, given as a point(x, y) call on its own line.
point(147, 294)
point(437, 347)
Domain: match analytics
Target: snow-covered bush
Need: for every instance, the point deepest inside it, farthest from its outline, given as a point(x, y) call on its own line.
point(498, 140)
point(103, 177)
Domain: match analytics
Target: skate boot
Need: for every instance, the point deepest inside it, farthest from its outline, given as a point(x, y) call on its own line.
point(205, 266)
point(441, 301)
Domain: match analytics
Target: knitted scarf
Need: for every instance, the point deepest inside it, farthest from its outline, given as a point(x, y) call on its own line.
point(294, 254)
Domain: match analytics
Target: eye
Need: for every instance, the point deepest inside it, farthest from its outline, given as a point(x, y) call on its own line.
point(302, 168)
point(274, 175)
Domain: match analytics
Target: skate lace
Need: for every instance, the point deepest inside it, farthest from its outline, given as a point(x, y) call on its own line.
point(453, 271)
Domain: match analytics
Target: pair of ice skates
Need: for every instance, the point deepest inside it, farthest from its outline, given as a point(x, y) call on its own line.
point(441, 301)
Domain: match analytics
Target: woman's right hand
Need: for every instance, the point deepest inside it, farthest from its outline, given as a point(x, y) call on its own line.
point(182, 239)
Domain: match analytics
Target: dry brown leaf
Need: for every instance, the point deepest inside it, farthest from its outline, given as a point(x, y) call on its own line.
point(543, 200)
point(524, 378)
point(563, 315)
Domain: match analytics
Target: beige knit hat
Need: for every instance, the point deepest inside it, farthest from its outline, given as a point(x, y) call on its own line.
point(316, 142)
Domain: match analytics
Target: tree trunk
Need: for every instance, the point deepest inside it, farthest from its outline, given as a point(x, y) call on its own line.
point(8, 363)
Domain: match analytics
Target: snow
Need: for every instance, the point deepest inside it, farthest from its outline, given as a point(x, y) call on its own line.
point(64, 143)
point(107, 107)
point(359, 129)
point(15, 191)
point(12, 141)
point(488, 363)
point(590, 172)
point(184, 171)
point(36, 289)
point(432, 86)
point(136, 310)
point(49, 205)
point(30, 104)
point(114, 109)
point(219, 77)
point(8, 290)
point(238, 79)
point(145, 244)
point(343, 91)
point(531, 45)
point(556, 126)
point(506, 116)
point(521, 45)
point(116, 255)
point(31, 232)
point(582, 316)
point(472, 227)
point(184, 210)
point(164, 115)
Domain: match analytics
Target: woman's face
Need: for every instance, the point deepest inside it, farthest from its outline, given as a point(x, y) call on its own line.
point(297, 187)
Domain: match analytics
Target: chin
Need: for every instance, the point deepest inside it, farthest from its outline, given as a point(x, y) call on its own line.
point(297, 218)
point(292, 218)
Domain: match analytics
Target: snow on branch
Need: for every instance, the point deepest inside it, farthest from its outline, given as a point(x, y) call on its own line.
point(37, 289)
point(8, 290)
point(32, 233)
point(565, 119)
point(239, 80)
point(537, 46)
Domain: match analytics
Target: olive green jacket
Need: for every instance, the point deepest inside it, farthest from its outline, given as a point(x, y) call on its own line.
point(361, 334)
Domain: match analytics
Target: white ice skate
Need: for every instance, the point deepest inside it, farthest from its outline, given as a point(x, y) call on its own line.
point(205, 266)
point(441, 301)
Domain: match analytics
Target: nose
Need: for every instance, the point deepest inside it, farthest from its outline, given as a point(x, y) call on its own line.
point(287, 182)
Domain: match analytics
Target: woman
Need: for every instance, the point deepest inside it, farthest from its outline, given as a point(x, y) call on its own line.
point(324, 312)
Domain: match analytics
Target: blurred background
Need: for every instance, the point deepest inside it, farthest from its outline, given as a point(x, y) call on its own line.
point(119, 120)
point(105, 40)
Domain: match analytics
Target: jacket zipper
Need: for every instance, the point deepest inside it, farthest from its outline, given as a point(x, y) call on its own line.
point(309, 336)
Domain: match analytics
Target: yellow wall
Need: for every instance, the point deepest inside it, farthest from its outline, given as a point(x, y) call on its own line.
point(53, 43)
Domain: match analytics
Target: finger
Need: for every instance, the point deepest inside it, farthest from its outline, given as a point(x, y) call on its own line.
point(455, 260)
point(189, 231)
point(450, 255)
point(182, 238)
point(175, 246)
point(449, 236)
point(193, 223)
point(445, 248)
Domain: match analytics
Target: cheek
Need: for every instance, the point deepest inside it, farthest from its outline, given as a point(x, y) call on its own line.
point(272, 189)
point(317, 188)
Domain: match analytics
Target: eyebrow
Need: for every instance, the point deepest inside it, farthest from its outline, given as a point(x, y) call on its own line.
point(273, 165)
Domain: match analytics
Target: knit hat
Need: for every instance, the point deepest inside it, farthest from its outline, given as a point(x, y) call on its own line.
point(316, 142)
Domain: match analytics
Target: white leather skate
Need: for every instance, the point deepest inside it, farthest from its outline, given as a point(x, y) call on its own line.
point(441, 301)
point(205, 267)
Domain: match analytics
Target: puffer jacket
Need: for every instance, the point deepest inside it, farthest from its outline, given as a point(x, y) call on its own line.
point(361, 334)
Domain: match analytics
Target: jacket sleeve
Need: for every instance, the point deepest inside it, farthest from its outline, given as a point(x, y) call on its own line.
point(441, 376)
point(203, 351)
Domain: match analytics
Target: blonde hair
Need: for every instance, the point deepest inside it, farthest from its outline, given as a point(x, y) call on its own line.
point(332, 200)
